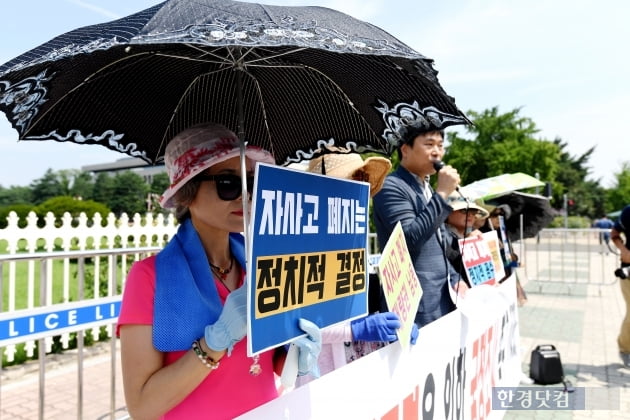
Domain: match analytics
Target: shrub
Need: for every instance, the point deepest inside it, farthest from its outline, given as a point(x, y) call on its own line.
point(60, 205)
point(573, 222)
point(22, 211)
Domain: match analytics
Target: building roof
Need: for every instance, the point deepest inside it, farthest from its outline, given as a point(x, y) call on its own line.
point(120, 164)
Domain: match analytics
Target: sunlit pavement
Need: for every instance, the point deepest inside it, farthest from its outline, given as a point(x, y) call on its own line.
point(582, 321)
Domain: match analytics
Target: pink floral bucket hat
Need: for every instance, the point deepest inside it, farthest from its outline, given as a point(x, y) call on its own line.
point(196, 149)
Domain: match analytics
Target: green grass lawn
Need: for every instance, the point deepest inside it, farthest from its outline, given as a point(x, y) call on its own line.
point(22, 282)
point(23, 285)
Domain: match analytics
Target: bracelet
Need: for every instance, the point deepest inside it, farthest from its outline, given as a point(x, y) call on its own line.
point(208, 361)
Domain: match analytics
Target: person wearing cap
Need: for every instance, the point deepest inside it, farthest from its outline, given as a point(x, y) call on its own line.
point(372, 170)
point(465, 216)
point(407, 197)
point(349, 341)
point(460, 224)
point(183, 323)
point(620, 237)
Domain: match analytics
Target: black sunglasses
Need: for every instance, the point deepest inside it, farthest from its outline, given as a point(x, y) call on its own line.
point(229, 186)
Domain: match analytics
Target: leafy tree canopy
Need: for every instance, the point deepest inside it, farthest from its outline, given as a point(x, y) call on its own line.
point(15, 195)
point(129, 194)
point(619, 196)
point(500, 143)
point(52, 184)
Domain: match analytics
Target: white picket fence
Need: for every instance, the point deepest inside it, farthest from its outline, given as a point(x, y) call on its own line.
point(54, 286)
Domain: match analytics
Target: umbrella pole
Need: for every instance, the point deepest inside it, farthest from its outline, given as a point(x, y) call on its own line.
point(254, 369)
point(241, 135)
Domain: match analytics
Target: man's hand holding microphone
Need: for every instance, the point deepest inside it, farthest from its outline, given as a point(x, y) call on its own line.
point(447, 179)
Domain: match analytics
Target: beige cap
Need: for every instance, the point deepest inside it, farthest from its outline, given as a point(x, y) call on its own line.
point(344, 165)
point(459, 202)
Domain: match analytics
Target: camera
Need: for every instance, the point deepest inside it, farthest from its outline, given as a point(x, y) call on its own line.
point(623, 272)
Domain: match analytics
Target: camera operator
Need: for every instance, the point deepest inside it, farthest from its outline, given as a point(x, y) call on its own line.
point(622, 228)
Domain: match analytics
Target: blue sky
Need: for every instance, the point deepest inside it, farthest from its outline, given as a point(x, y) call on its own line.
point(565, 63)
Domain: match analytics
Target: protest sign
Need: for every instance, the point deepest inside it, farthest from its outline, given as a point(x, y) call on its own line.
point(308, 254)
point(494, 246)
point(399, 282)
point(482, 258)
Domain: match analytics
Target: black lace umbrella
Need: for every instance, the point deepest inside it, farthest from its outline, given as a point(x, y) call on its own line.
point(535, 210)
point(293, 80)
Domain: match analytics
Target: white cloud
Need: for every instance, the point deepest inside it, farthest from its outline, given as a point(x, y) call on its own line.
point(100, 10)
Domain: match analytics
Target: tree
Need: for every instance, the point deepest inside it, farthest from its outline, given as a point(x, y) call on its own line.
point(22, 211)
point(103, 188)
point(571, 179)
point(619, 195)
point(160, 183)
point(506, 143)
point(15, 195)
point(82, 185)
point(129, 194)
point(500, 143)
point(50, 185)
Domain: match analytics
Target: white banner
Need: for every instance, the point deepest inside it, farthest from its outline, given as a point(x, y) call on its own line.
point(447, 375)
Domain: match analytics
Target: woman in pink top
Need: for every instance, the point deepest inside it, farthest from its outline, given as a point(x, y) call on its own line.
point(183, 322)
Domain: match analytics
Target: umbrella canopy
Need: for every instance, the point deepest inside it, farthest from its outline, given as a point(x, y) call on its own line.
point(614, 214)
point(535, 209)
point(294, 80)
point(501, 184)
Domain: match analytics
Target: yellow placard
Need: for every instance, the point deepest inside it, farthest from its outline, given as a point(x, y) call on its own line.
point(400, 283)
point(287, 282)
point(495, 250)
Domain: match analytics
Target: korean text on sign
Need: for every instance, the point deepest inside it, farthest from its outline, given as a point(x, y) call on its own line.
point(308, 253)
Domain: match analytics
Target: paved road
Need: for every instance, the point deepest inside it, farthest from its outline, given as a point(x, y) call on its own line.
point(582, 321)
point(19, 394)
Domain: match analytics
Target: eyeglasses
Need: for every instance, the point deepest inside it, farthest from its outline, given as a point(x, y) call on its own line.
point(229, 186)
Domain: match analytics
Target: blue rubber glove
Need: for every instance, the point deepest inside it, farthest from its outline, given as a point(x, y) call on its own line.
point(376, 327)
point(231, 326)
point(309, 348)
point(414, 334)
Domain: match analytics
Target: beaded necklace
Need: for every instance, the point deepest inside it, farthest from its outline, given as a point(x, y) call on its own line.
point(222, 273)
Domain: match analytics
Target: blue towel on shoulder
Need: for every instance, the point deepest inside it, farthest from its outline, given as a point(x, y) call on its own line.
point(186, 298)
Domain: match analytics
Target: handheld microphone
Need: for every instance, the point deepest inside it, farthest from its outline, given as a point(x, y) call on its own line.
point(437, 165)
